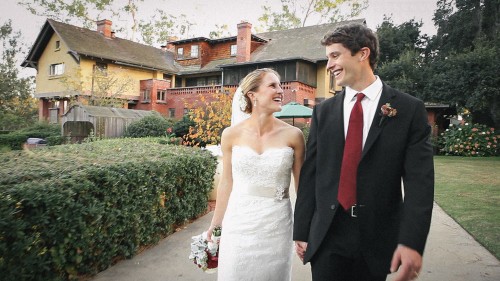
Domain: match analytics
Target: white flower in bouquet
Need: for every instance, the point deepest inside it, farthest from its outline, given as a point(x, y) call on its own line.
point(206, 254)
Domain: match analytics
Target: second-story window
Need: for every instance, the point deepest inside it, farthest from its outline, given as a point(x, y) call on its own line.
point(161, 95)
point(233, 50)
point(56, 69)
point(58, 45)
point(101, 69)
point(180, 53)
point(194, 51)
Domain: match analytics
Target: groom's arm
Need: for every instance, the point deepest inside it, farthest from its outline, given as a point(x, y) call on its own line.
point(418, 182)
point(306, 200)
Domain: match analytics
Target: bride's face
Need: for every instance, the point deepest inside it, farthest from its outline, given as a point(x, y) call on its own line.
point(270, 94)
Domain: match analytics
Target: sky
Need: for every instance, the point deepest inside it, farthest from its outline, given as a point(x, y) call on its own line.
point(207, 13)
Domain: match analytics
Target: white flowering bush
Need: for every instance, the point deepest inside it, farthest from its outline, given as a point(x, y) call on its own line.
point(469, 140)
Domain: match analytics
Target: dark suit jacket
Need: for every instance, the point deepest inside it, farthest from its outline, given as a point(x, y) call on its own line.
point(398, 149)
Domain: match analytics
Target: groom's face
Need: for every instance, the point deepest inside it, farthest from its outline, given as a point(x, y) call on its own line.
point(345, 67)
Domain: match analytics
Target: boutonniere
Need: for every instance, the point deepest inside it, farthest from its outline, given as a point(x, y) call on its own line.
point(387, 111)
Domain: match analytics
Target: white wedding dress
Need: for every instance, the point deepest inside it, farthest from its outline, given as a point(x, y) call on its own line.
point(256, 241)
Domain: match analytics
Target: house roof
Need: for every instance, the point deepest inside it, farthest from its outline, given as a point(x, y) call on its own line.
point(89, 43)
point(303, 42)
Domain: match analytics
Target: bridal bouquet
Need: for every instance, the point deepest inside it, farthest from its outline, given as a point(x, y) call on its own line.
point(206, 254)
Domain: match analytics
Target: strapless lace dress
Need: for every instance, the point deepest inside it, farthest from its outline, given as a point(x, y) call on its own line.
point(256, 242)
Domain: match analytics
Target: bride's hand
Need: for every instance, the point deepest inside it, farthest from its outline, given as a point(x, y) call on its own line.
point(300, 248)
point(209, 233)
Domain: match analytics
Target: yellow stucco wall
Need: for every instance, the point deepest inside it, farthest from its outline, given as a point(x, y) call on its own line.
point(45, 83)
point(78, 76)
point(323, 82)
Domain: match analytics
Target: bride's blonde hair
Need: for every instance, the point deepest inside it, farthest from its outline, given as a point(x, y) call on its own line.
point(252, 82)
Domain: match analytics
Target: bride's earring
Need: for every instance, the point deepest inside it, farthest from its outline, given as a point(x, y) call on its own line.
point(255, 102)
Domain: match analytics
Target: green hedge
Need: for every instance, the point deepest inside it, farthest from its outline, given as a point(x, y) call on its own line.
point(72, 210)
point(16, 139)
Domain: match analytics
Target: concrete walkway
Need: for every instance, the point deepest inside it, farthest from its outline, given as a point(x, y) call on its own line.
point(451, 255)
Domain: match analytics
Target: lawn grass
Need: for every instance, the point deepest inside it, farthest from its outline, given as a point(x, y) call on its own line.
point(468, 189)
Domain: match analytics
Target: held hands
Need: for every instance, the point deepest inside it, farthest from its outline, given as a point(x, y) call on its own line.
point(407, 262)
point(300, 248)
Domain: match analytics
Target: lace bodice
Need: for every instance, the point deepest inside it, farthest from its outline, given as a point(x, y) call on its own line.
point(266, 174)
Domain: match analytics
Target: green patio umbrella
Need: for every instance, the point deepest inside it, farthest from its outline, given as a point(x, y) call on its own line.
point(293, 110)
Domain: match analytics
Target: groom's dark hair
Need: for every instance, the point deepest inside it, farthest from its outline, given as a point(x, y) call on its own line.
point(355, 36)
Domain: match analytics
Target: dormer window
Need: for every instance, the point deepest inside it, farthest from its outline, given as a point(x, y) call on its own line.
point(58, 45)
point(194, 51)
point(180, 53)
point(233, 50)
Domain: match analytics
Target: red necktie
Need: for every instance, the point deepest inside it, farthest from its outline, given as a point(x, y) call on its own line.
point(352, 155)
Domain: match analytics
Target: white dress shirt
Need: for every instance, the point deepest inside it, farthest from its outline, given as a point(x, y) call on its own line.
point(369, 104)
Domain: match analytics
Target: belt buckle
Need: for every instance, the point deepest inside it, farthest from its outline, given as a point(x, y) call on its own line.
point(354, 211)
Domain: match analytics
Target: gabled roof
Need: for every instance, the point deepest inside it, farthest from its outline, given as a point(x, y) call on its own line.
point(90, 43)
point(303, 43)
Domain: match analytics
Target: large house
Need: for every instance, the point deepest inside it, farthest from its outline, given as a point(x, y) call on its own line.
point(75, 63)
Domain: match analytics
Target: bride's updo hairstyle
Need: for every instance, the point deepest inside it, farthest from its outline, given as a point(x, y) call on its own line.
point(252, 82)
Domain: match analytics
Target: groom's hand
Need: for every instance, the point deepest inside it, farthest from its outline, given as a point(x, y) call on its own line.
point(407, 262)
point(300, 248)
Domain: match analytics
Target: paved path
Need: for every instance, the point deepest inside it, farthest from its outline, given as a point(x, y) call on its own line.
point(451, 255)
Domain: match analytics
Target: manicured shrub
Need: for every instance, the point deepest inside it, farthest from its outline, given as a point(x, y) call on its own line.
point(72, 210)
point(16, 139)
point(469, 140)
point(149, 126)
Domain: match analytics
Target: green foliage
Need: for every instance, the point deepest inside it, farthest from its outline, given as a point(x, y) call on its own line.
point(295, 14)
point(17, 108)
point(78, 208)
point(149, 126)
point(181, 128)
point(469, 140)
point(16, 139)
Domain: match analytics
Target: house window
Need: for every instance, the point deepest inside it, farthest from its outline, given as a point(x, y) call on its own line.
point(180, 53)
point(233, 50)
point(161, 95)
point(171, 112)
point(56, 69)
point(101, 69)
point(186, 111)
point(194, 51)
point(58, 45)
point(146, 95)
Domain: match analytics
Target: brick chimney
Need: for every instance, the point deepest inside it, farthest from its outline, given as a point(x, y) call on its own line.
point(243, 42)
point(104, 27)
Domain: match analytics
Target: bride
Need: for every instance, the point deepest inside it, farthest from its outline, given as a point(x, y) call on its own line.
point(253, 205)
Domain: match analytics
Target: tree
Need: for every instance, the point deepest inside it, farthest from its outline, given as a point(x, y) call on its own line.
point(402, 55)
point(395, 40)
point(464, 66)
point(461, 24)
point(86, 12)
point(293, 14)
point(101, 88)
point(211, 115)
point(18, 108)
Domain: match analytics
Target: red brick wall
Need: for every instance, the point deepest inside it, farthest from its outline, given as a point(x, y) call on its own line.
point(153, 85)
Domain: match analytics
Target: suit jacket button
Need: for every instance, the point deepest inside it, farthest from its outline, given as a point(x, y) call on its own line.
point(333, 207)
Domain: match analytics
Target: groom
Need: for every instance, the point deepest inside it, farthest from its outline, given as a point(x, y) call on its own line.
point(352, 219)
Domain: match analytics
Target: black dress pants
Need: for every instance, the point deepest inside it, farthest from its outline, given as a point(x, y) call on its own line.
point(339, 257)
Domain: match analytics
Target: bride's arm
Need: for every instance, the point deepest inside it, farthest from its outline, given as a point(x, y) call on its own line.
point(299, 152)
point(225, 184)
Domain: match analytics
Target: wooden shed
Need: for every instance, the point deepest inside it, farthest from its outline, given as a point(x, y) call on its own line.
point(106, 122)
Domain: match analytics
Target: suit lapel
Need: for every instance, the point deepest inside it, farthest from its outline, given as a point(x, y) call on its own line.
point(387, 96)
point(337, 123)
